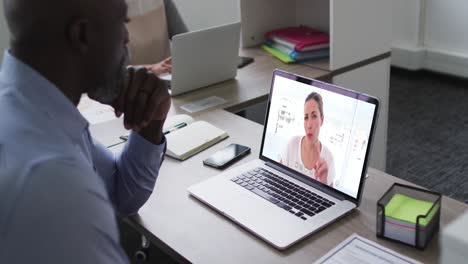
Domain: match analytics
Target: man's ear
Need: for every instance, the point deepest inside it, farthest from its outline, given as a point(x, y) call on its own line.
point(79, 35)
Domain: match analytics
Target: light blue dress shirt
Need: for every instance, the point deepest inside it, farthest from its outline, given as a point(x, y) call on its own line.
point(59, 189)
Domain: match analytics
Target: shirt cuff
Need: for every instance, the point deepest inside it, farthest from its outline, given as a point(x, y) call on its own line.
point(145, 151)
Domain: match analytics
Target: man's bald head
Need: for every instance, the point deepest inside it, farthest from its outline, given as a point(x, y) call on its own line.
point(44, 22)
point(76, 44)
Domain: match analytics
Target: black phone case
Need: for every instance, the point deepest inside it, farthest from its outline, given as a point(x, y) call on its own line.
point(229, 163)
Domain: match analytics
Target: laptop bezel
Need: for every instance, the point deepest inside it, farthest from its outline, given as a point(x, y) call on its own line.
point(336, 89)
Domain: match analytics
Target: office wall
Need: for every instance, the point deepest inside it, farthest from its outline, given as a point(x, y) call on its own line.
point(189, 15)
point(446, 36)
point(407, 34)
point(139, 7)
point(447, 25)
point(405, 22)
point(4, 34)
point(431, 34)
point(201, 14)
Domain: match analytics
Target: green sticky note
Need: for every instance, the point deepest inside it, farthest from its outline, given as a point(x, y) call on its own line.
point(405, 208)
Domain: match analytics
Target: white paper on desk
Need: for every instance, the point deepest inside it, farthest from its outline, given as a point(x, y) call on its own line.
point(94, 111)
point(203, 104)
point(358, 250)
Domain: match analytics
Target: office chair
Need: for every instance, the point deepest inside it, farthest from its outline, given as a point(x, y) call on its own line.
point(148, 33)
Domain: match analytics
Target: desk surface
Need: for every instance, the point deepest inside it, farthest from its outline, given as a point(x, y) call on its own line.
point(179, 223)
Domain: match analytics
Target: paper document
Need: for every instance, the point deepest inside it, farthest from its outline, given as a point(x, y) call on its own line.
point(203, 104)
point(358, 250)
point(94, 111)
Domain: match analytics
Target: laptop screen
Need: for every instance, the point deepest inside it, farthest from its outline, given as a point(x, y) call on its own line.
point(319, 130)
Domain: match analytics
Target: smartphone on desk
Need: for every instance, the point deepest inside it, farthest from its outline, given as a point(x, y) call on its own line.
point(227, 156)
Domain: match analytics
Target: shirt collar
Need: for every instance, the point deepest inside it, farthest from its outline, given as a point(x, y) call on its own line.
point(44, 95)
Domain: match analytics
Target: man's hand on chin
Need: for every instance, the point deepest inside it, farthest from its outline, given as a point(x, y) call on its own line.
point(144, 101)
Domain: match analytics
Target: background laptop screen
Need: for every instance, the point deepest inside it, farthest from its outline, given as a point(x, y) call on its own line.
point(294, 126)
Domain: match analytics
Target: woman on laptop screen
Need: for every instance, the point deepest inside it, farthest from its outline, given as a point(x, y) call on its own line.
point(307, 154)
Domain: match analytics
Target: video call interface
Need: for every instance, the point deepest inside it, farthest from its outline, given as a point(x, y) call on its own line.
point(344, 133)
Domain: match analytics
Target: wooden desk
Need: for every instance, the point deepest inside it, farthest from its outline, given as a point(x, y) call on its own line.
point(190, 231)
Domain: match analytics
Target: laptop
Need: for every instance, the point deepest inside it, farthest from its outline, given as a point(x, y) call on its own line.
point(279, 196)
point(203, 57)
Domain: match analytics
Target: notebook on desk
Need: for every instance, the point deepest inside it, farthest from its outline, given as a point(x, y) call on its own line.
point(186, 137)
point(281, 197)
point(203, 57)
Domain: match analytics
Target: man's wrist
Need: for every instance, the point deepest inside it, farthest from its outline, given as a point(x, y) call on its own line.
point(153, 132)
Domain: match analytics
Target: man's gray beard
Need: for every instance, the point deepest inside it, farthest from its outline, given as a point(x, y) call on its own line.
point(108, 92)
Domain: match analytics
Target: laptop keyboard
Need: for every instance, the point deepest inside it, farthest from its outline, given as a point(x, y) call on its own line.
point(283, 193)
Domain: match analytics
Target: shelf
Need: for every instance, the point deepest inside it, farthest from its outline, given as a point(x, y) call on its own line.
point(358, 30)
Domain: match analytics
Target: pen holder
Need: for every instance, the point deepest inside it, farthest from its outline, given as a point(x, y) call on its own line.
point(408, 215)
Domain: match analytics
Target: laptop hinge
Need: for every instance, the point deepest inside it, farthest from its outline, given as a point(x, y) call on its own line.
point(310, 183)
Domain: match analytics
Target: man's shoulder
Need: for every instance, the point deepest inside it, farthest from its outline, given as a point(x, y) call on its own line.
point(54, 207)
point(39, 149)
point(65, 172)
point(26, 134)
point(62, 177)
point(55, 187)
point(20, 120)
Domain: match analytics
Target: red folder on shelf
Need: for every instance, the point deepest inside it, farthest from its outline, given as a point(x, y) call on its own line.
point(299, 38)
